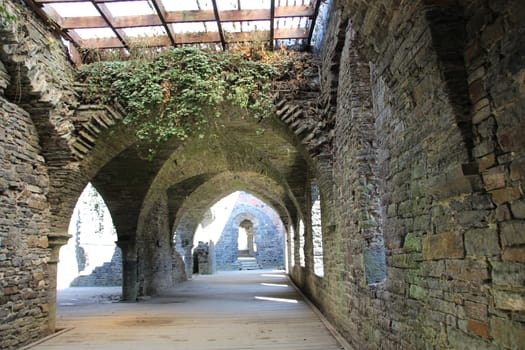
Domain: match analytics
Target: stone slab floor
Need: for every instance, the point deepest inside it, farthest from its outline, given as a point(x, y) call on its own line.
point(256, 309)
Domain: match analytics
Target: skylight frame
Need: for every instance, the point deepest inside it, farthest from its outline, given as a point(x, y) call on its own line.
point(174, 15)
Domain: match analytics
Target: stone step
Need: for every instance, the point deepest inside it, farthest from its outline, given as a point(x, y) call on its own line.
point(248, 263)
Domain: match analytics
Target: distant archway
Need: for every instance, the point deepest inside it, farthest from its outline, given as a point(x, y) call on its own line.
point(91, 257)
point(245, 240)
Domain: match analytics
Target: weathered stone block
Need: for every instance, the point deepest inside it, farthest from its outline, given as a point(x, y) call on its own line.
point(518, 209)
point(517, 169)
point(494, 178)
point(482, 242)
point(505, 195)
point(447, 245)
point(38, 241)
point(433, 268)
point(473, 218)
point(406, 261)
point(502, 213)
point(468, 270)
point(481, 201)
point(507, 300)
point(457, 180)
point(507, 334)
point(512, 233)
point(484, 148)
point(417, 292)
point(412, 243)
point(477, 90)
point(482, 114)
point(476, 311)
point(516, 254)
point(487, 161)
point(460, 341)
point(508, 274)
point(481, 329)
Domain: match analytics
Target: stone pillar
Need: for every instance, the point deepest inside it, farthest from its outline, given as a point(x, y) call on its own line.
point(188, 261)
point(251, 246)
point(54, 243)
point(129, 270)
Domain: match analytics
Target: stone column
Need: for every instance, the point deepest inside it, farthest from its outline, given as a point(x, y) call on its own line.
point(129, 270)
point(54, 243)
point(251, 246)
point(188, 261)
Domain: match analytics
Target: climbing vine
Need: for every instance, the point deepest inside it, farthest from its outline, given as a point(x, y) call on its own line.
point(180, 92)
point(5, 16)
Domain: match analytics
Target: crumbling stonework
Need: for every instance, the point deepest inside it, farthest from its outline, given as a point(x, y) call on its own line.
point(441, 103)
point(24, 226)
point(268, 239)
point(410, 122)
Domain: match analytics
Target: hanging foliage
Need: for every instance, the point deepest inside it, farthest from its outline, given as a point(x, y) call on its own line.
point(181, 91)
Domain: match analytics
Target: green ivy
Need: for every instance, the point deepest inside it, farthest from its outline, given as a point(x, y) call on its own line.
point(181, 91)
point(5, 16)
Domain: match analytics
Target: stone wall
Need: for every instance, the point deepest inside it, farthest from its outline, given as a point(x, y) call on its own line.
point(415, 139)
point(108, 274)
point(429, 109)
point(24, 226)
point(90, 255)
point(269, 239)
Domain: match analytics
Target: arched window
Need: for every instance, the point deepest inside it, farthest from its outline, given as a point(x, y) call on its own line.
point(292, 246)
point(301, 243)
point(245, 241)
point(92, 245)
point(317, 231)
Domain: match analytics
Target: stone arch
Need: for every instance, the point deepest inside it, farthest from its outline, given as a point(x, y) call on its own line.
point(269, 237)
point(248, 222)
point(188, 212)
point(245, 241)
point(90, 257)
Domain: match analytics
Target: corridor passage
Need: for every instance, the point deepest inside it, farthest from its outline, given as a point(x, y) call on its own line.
point(256, 309)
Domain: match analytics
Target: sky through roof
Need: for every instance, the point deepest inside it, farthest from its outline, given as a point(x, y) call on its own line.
point(215, 24)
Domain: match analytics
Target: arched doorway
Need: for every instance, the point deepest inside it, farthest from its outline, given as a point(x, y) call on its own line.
point(245, 240)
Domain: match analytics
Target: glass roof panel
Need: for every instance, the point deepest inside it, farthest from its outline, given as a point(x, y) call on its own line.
point(73, 9)
point(245, 26)
point(192, 20)
point(186, 5)
point(254, 5)
point(226, 5)
point(294, 3)
point(138, 32)
point(135, 8)
point(195, 27)
point(95, 33)
point(291, 22)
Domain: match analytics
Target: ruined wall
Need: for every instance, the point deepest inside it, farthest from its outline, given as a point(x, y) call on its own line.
point(43, 179)
point(269, 240)
point(91, 257)
point(429, 108)
point(24, 226)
